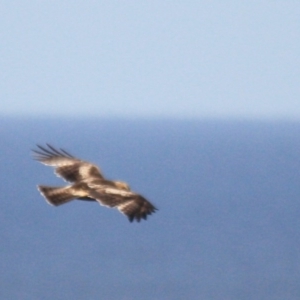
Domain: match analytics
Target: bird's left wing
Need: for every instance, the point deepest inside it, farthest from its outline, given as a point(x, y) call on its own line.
point(66, 165)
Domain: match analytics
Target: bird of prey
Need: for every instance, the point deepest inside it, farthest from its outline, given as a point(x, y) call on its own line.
point(87, 183)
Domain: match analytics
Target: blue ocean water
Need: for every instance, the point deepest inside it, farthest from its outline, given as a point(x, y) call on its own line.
point(227, 226)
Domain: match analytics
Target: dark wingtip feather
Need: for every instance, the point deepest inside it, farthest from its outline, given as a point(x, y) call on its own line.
point(138, 216)
point(44, 153)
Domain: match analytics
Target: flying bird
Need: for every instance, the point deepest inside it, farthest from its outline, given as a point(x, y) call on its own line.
point(87, 183)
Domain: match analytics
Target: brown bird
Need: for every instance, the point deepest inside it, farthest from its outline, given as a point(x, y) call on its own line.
point(88, 183)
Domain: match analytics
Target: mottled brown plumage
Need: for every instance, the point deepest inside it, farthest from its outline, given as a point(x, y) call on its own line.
point(88, 183)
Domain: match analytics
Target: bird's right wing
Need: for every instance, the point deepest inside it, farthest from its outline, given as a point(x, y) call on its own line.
point(133, 205)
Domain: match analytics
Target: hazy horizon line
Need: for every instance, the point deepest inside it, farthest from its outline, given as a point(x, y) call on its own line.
point(135, 118)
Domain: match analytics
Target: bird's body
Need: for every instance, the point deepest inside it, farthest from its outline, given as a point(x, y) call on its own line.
point(88, 183)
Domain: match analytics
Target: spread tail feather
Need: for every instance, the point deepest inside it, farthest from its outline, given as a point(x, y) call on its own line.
point(56, 195)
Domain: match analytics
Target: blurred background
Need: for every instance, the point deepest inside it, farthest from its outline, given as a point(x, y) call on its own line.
point(150, 59)
point(196, 105)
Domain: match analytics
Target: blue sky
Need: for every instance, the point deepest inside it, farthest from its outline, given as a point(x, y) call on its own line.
point(145, 59)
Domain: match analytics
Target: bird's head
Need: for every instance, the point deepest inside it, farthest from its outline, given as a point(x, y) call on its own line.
point(122, 185)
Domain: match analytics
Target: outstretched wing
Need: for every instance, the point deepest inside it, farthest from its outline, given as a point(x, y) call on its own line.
point(133, 205)
point(66, 166)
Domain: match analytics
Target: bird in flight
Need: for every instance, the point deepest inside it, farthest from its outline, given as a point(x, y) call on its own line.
point(87, 183)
